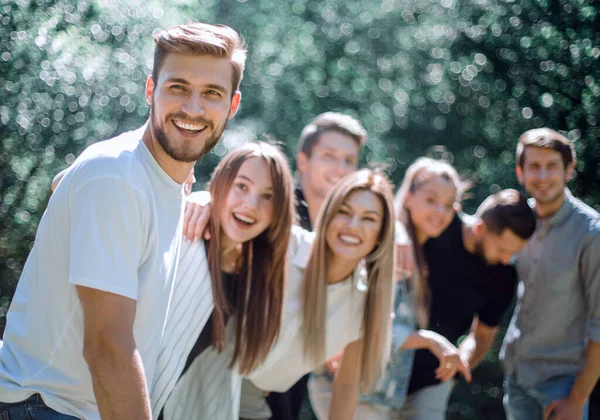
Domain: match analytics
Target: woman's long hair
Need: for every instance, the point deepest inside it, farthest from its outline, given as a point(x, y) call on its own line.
point(261, 280)
point(379, 264)
point(418, 173)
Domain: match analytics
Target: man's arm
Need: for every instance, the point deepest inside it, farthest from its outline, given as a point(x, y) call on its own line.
point(346, 384)
point(112, 357)
point(446, 353)
point(477, 344)
point(573, 405)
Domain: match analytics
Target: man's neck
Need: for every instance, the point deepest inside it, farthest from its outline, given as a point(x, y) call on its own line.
point(468, 237)
point(313, 202)
point(178, 171)
point(547, 210)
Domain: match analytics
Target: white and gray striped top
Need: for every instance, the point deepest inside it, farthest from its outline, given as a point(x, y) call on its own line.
point(186, 397)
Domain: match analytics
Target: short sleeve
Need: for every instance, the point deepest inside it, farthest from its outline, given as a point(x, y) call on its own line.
point(107, 221)
point(501, 294)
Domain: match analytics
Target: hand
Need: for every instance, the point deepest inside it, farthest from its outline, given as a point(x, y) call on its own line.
point(405, 261)
point(196, 216)
point(189, 182)
point(449, 358)
point(333, 364)
point(564, 409)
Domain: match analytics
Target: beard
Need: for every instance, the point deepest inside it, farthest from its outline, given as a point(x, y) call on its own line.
point(552, 199)
point(480, 251)
point(184, 153)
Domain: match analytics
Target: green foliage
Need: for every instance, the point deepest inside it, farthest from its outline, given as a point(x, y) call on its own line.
point(458, 79)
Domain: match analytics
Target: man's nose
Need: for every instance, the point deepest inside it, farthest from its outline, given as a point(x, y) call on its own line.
point(194, 105)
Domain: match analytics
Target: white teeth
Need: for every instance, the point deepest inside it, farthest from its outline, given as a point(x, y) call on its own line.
point(244, 218)
point(191, 127)
point(350, 239)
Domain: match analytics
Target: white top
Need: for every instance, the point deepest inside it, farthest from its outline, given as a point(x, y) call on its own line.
point(285, 363)
point(114, 223)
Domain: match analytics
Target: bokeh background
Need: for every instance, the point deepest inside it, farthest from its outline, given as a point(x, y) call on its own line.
point(454, 79)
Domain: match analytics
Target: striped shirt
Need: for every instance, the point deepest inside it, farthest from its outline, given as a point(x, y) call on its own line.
point(190, 308)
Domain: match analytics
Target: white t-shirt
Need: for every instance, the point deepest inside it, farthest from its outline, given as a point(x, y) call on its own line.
point(285, 363)
point(114, 223)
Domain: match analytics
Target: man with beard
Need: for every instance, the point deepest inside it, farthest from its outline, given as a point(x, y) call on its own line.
point(470, 285)
point(551, 351)
point(84, 328)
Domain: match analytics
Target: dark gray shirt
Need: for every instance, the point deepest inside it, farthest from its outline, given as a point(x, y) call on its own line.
point(558, 297)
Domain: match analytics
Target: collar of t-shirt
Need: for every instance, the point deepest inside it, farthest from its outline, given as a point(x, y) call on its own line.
point(153, 164)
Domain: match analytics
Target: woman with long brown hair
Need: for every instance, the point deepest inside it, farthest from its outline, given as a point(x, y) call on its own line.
point(242, 270)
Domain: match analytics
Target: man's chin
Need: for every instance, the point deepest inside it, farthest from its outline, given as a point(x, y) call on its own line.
point(547, 198)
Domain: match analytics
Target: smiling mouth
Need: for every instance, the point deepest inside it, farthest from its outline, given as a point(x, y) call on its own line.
point(350, 240)
point(245, 220)
point(188, 127)
point(435, 223)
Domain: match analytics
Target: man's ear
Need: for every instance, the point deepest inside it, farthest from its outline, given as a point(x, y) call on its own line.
point(301, 162)
point(235, 104)
point(479, 228)
point(520, 174)
point(457, 207)
point(570, 171)
point(149, 90)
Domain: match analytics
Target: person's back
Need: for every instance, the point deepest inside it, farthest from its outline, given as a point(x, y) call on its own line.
point(111, 225)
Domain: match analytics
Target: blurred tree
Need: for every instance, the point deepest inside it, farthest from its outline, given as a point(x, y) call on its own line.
point(456, 79)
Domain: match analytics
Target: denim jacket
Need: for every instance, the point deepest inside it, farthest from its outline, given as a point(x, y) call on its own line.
point(392, 387)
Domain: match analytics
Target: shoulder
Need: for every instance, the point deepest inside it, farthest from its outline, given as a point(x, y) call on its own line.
point(586, 215)
point(113, 162)
point(299, 247)
point(504, 279)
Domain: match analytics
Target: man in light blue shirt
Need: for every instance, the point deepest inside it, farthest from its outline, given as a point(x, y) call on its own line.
point(551, 351)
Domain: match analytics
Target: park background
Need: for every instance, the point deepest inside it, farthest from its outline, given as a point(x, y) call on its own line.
point(453, 79)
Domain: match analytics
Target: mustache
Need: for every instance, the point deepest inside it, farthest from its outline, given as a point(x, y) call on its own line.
point(187, 118)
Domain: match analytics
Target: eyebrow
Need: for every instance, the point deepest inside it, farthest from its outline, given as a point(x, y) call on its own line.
point(208, 86)
point(216, 87)
point(250, 181)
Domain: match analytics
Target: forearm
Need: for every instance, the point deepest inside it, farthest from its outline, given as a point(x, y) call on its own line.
point(473, 349)
point(119, 383)
point(421, 339)
point(343, 401)
point(587, 378)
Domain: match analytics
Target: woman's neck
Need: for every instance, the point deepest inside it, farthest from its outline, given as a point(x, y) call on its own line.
point(420, 236)
point(229, 255)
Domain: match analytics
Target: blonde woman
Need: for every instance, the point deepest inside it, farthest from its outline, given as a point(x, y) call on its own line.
point(431, 192)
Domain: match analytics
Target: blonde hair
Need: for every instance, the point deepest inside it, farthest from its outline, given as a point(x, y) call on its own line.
point(259, 294)
point(379, 264)
point(419, 173)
